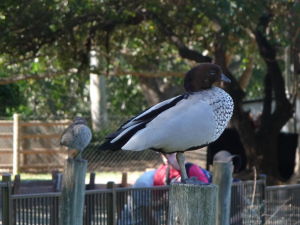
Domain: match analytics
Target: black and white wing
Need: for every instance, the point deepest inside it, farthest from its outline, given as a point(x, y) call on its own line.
point(117, 139)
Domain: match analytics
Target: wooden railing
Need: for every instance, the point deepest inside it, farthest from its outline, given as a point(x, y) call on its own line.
point(12, 155)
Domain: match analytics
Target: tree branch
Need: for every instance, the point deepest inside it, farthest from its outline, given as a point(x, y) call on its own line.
point(241, 120)
point(274, 82)
point(183, 50)
point(187, 53)
point(9, 80)
point(36, 40)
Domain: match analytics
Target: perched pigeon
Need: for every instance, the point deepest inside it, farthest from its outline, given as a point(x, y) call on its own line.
point(77, 136)
point(183, 123)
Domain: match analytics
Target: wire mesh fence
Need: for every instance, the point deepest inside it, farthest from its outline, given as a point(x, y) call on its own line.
point(120, 160)
point(136, 206)
point(39, 149)
point(282, 201)
point(247, 203)
point(252, 204)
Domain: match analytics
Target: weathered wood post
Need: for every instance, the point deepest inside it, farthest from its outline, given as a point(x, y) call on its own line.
point(192, 204)
point(222, 176)
point(5, 201)
point(73, 191)
point(16, 144)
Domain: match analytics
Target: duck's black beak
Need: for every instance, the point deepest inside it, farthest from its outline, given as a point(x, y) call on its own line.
point(225, 78)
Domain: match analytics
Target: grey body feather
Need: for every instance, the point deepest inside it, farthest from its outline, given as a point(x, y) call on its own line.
point(77, 136)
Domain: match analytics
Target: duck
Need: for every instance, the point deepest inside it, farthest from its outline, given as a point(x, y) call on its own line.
point(183, 123)
point(76, 136)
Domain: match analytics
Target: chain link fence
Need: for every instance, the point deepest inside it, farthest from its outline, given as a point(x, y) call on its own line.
point(39, 150)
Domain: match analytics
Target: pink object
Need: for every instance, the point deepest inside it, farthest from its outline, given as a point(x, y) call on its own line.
point(160, 176)
point(195, 171)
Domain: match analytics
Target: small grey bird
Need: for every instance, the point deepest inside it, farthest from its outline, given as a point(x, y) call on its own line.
point(77, 136)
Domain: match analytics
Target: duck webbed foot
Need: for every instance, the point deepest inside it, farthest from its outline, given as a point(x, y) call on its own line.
point(184, 178)
point(181, 162)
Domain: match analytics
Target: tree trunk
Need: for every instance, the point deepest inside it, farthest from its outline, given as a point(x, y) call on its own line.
point(267, 147)
point(97, 94)
point(98, 101)
point(260, 139)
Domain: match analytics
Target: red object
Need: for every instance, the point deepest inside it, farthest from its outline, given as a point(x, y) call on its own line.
point(160, 176)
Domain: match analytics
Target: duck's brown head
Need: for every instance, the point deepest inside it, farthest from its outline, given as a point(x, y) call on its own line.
point(203, 76)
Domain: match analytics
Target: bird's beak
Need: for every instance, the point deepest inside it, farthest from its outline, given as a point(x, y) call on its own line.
point(225, 78)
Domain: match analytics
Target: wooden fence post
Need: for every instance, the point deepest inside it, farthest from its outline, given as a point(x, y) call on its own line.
point(192, 204)
point(124, 182)
point(16, 144)
point(222, 176)
point(73, 191)
point(6, 202)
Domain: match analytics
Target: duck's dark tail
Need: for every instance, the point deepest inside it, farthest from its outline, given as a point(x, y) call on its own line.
point(122, 139)
point(109, 146)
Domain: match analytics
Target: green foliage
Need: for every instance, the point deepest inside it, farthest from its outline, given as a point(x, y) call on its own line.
point(123, 96)
point(10, 99)
point(48, 36)
point(64, 96)
point(255, 88)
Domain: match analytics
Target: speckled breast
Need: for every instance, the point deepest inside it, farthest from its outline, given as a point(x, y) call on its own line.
point(222, 105)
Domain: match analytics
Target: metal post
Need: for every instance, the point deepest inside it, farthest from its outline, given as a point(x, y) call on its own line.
point(222, 176)
point(6, 201)
point(111, 220)
point(90, 202)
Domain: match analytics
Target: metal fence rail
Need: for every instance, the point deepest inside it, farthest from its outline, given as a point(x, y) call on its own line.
point(35, 209)
point(98, 207)
point(250, 205)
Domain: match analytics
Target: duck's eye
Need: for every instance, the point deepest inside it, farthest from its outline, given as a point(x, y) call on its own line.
point(212, 73)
